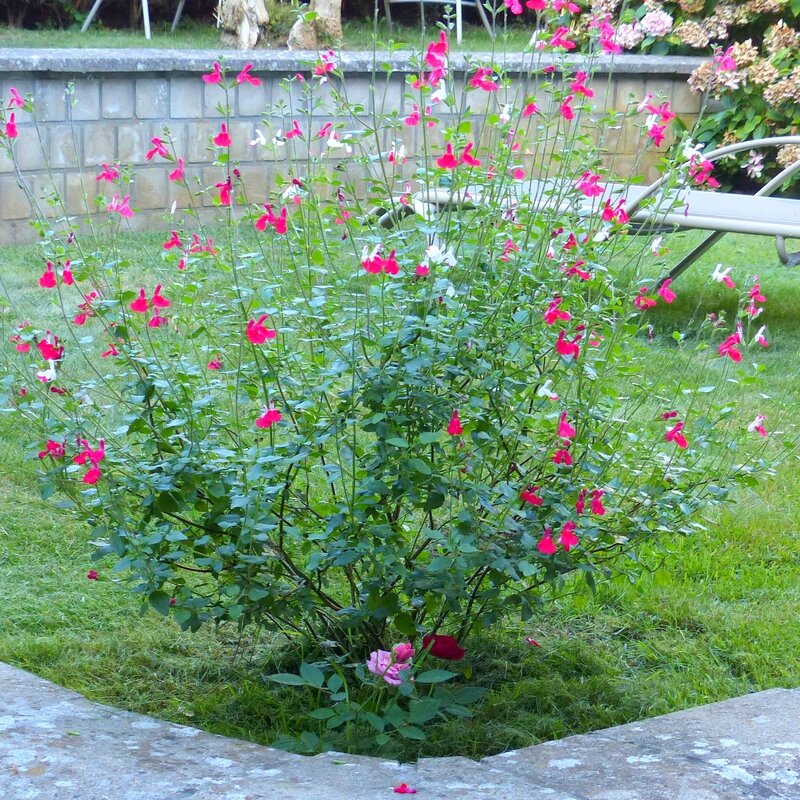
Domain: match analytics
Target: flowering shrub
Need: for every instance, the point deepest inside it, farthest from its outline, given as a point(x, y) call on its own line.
point(760, 97)
point(347, 417)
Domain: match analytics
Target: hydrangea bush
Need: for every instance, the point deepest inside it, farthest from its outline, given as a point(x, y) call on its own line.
point(347, 417)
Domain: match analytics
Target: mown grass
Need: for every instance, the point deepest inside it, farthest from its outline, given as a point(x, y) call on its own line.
point(197, 35)
point(715, 620)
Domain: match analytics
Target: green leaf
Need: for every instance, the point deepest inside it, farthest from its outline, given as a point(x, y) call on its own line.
point(412, 732)
point(424, 710)
point(435, 676)
point(287, 678)
point(321, 713)
point(469, 694)
point(373, 719)
point(160, 602)
point(430, 437)
point(312, 675)
point(397, 441)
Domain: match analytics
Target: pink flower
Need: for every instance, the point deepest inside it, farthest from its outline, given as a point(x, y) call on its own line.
point(518, 173)
point(536, 5)
point(177, 173)
point(580, 503)
point(562, 456)
point(760, 338)
point(559, 39)
point(567, 539)
point(111, 352)
point(92, 575)
point(566, 109)
point(422, 270)
point(615, 213)
point(157, 321)
point(269, 418)
point(279, 223)
point(159, 149)
point(16, 98)
point(383, 664)
point(566, 348)
point(589, 184)
point(225, 189)
point(215, 76)
point(325, 65)
point(403, 652)
point(215, 363)
point(530, 109)
point(665, 292)
point(468, 158)
point(173, 241)
point(109, 174)
point(578, 86)
point(514, 6)
point(597, 502)
point(66, 275)
point(482, 79)
point(257, 332)
point(404, 788)
point(642, 301)
point(448, 160)
point(529, 495)
point(295, 131)
point(675, 435)
point(140, 304)
point(11, 126)
point(607, 40)
point(725, 61)
point(53, 449)
point(454, 427)
point(245, 77)
point(531, 641)
point(122, 207)
point(546, 545)
point(561, 5)
point(729, 347)
point(48, 277)
point(565, 430)
point(756, 426)
point(158, 300)
point(223, 139)
point(656, 133)
point(50, 350)
point(92, 475)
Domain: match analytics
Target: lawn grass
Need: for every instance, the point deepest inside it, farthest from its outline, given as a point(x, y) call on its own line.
point(196, 35)
point(713, 622)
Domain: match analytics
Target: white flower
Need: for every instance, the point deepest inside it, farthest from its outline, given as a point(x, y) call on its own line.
point(334, 143)
point(278, 140)
point(259, 139)
point(435, 255)
point(505, 114)
point(48, 375)
point(546, 390)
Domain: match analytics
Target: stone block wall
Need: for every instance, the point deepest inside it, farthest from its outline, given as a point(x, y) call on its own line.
point(120, 100)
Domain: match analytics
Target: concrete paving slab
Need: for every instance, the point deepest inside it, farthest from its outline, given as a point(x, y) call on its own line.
point(56, 745)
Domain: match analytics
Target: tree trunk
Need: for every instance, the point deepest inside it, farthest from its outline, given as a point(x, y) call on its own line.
point(325, 29)
point(244, 19)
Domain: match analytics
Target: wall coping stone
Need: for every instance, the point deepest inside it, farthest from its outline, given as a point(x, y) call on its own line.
point(83, 62)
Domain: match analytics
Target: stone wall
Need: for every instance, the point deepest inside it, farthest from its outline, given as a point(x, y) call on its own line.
point(121, 99)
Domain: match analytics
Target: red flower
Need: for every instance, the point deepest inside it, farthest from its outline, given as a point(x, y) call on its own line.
point(546, 544)
point(224, 192)
point(675, 435)
point(140, 305)
point(215, 76)
point(158, 300)
point(404, 788)
point(223, 139)
point(529, 495)
point(177, 173)
point(158, 149)
point(109, 174)
point(257, 332)
point(48, 277)
point(565, 430)
point(173, 241)
point(245, 77)
point(53, 448)
point(448, 160)
point(269, 418)
point(597, 502)
point(454, 427)
point(568, 539)
point(11, 126)
point(443, 646)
